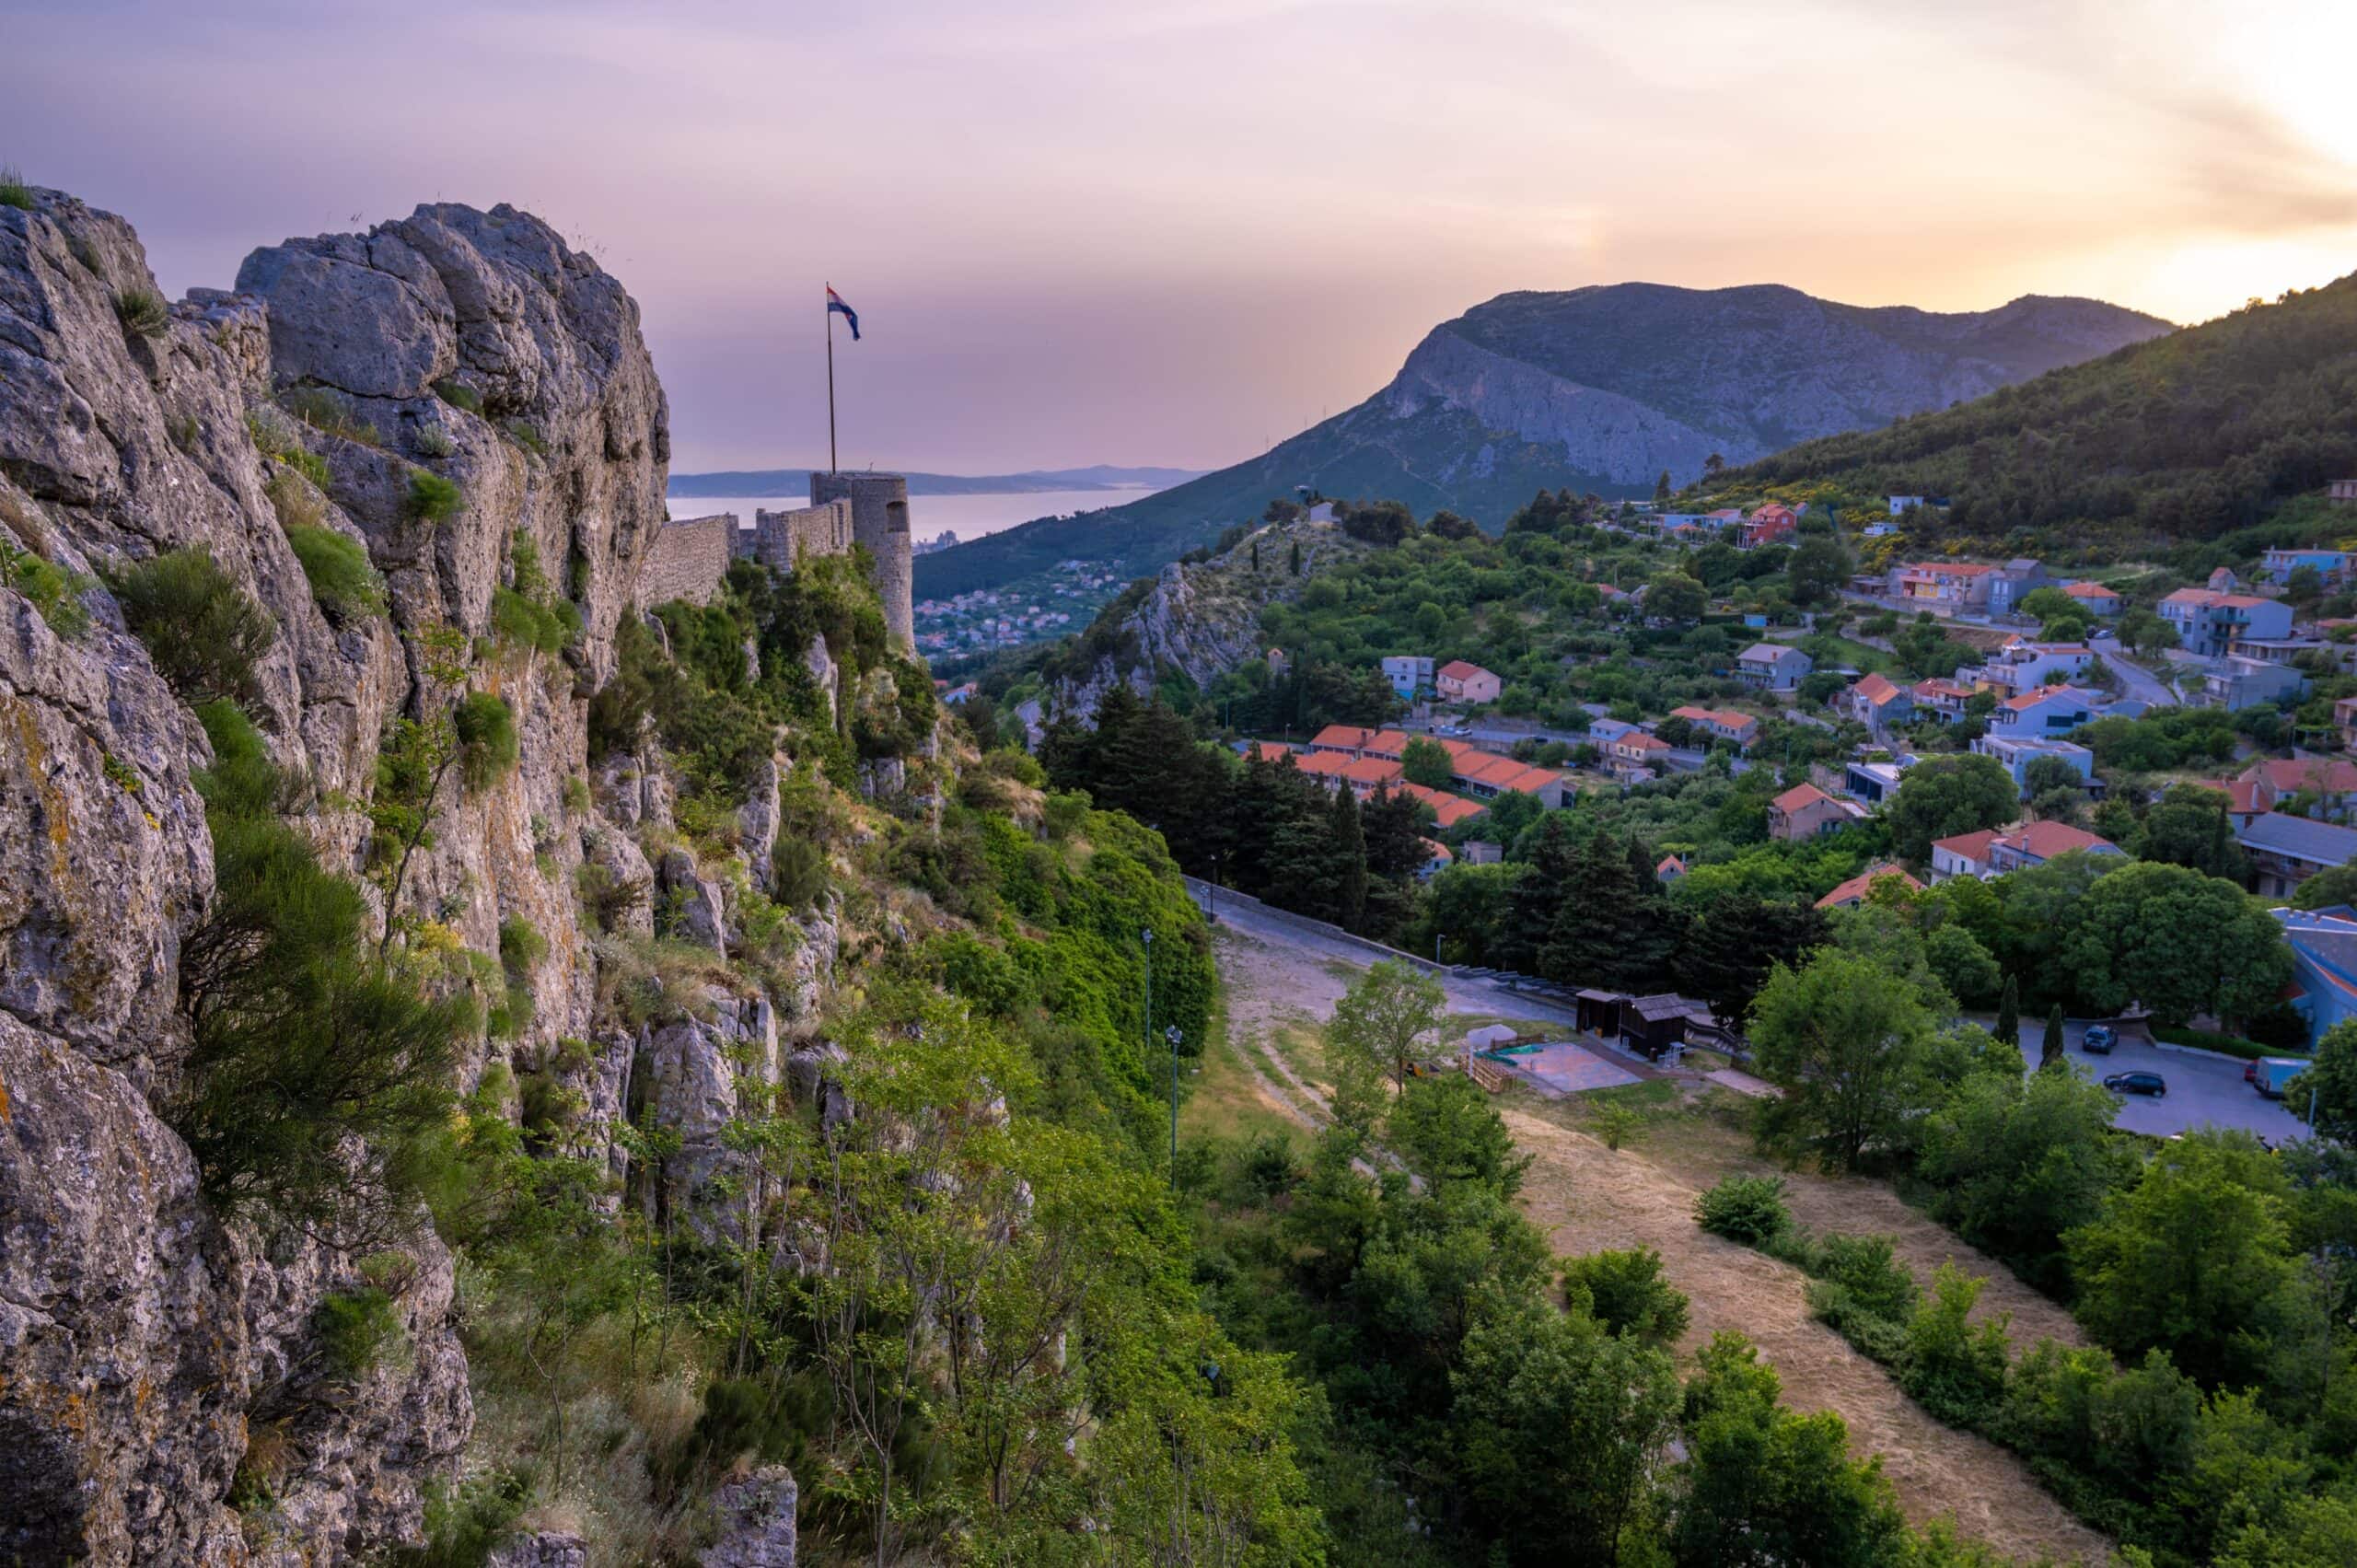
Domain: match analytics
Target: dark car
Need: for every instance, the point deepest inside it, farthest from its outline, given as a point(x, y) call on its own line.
point(2137, 1084)
point(2100, 1039)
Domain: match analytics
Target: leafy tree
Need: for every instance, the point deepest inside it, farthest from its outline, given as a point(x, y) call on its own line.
point(1956, 1369)
point(1443, 1128)
point(2013, 1165)
point(1427, 762)
point(1818, 570)
point(1942, 797)
point(1446, 524)
point(1763, 1486)
point(2187, 826)
point(1674, 595)
point(2179, 942)
point(1388, 1017)
point(1560, 1424)
point(1966, 968)
point(2147, 632)
point(1627, 1292)
point(2193, 1259)
point(2332, 1080)
point(1841, 1037)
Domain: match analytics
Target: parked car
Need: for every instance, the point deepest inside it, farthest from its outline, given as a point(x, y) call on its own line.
point(2137, 1084)
point(2100, 1039)
point(2101, 633)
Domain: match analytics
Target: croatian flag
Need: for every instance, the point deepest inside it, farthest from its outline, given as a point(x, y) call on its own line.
point(835, 306)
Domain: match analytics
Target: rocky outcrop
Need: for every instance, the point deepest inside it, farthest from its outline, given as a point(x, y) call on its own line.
point(756, 1516)
point(163, 1396)
point(1201, 619)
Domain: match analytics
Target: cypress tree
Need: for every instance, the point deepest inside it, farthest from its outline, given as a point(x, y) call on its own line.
point(1350, 860)
point(1297, 558)
point(2050, 1051)
point(2009, 1014)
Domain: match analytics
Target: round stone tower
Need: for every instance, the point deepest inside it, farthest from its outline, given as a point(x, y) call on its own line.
point(879, 519)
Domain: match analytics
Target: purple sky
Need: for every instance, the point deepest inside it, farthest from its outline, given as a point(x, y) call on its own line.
point(1154, 232)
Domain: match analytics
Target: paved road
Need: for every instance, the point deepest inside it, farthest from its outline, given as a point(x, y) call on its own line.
point(2134, 678)
point(2203, 1091)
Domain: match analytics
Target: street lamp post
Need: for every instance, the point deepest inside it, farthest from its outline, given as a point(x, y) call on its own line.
point(1174, 1037)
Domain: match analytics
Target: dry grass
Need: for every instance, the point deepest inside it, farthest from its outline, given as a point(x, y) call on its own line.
point(1590, 1198)
point(1688, 1135)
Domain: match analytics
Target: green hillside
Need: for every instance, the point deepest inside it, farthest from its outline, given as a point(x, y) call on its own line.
point(2181, 439)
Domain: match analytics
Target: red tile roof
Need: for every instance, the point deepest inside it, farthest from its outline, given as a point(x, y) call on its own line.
point(1342, 737)
point(1856, 890)
point(1457, 669)
point(1326, 764)
point(1371, 770)
point(1639, 740)
point(1387, 743)
point(2290, 775)
point(2091, 590)
point(2044, 841)
point(2033, 697)
point(1800, 797)
point(1973, 847)
point(1876, 689)
point(1447, 810)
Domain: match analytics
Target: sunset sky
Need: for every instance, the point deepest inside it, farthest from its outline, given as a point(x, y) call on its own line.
point(1173, 231)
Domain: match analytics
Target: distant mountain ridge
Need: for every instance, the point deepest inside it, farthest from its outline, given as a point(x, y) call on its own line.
point(797, 482)
point(1600, 389)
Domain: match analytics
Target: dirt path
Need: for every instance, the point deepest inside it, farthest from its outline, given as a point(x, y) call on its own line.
point(1588, 1198)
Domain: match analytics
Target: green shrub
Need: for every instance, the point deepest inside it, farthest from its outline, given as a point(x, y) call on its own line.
point(14, 192)
point(326, 412)
point(56, 595)
point(797, 874)
point(458, 395)
point(2224, 1044)
point(1867, 1267)
point(433, 441)
point(529, 623)
point(466, 1524)
point(142, 310)
point(343, 582)
point(308, 463)
point(576, 795)
point(1748, 1209)
point(486, 734)
point(1955, 1369)
point(431, 498)
point(201, 630)
point(521, 946)
point(304, 1046)
point(527, 434)
point(358, 1331)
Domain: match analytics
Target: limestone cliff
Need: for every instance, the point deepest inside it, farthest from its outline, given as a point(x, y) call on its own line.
point(1199, 619)
point(163, 1393)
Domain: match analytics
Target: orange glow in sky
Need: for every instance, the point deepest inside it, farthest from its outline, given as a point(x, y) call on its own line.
point(1172, 231)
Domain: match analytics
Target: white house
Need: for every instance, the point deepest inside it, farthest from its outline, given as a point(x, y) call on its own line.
point(2014, 755)
point(1408, 674)
point(1772, 667)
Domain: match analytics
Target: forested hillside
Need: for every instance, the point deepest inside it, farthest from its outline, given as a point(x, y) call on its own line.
point(2193, 436)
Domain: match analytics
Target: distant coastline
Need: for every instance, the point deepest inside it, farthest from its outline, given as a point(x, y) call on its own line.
point(797, 482)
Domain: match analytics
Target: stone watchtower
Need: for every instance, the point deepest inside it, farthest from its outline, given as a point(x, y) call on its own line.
point(879, 519)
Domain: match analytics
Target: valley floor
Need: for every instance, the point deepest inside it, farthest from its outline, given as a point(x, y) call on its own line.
point(1265, 1074)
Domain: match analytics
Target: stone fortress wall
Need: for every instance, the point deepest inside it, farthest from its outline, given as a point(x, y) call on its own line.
point(688, 558)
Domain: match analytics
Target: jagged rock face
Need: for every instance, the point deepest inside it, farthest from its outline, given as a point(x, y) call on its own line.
point(1204, 619)
point(148, 1353)
point(757, 1522)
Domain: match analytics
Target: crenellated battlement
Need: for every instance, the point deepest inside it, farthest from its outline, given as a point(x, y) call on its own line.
point(688, 557)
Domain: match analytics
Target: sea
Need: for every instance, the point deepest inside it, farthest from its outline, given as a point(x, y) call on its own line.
point(969, 516)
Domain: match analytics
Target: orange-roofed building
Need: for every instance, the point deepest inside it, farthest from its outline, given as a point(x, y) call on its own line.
point(1458, 682)
point(2331, 781)
point(1877, 699)
point(2095, 598)
point(1342, 737)
point(1853, 892)
point(1803, 811)
point(1994, 853)
point(1448, 809)
point(1365, 774)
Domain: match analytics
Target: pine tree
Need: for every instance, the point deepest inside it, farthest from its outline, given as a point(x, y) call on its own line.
point(1606, 932)
point(2009, 1014)
point(1661, 488)
point(1350, 860)
point(1537, 894)
point(2051, 1052)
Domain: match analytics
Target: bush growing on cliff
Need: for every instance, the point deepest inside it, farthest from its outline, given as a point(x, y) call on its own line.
point(56, 595)
point(142, 310)
point(486, 734)
point(201, 629)
point(14, 192)
point(431, 498)
point(316, 1070)
point(343, 582)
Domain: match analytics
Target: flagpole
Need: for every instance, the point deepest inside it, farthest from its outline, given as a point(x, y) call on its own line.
point(832, 466)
